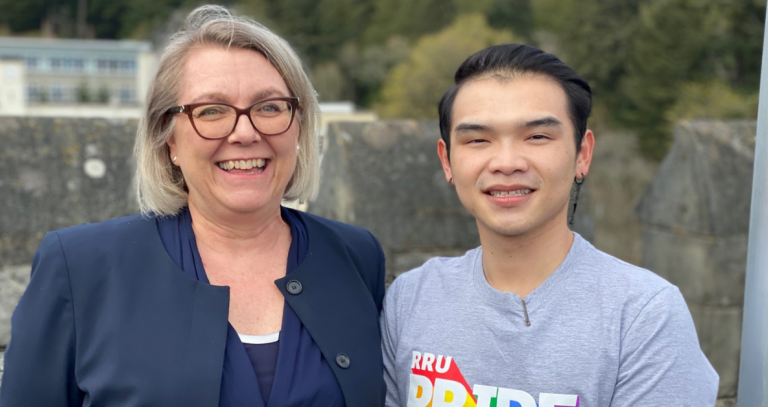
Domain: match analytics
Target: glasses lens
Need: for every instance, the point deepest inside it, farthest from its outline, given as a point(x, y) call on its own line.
point(214, 121)
point(272, 116)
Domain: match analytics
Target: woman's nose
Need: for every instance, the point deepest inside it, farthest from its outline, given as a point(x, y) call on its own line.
point(244, 132)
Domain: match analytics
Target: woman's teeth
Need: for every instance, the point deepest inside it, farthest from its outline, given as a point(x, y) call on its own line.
point(519, 192)
point(243, 164)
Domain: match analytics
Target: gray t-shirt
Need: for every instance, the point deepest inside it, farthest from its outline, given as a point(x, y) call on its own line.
point(602, 333)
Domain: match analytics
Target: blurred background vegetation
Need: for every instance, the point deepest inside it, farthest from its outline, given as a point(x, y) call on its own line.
point(650, 62)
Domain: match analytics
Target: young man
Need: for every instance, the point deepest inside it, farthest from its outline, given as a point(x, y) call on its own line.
point(536, 316)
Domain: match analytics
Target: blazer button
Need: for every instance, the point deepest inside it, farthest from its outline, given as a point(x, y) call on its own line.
point(293, 287)
point(342, 360)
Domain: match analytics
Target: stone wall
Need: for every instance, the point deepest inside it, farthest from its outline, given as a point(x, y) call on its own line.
point(696, 213)
point(56, 173)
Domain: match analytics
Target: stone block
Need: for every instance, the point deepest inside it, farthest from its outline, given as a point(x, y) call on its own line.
point(387, 178)
point(56, 173)
point(13, 282)
point(704, 184)
point(618, 177)
point(708, 270)
point(719, 330)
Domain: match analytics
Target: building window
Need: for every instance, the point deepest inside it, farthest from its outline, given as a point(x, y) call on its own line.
point(56, 64)
point(126, 94)
point(127, 66)
point(32, 63)
point(57, 93)
point(116, 66)
point(36, 94)
point(107, 65)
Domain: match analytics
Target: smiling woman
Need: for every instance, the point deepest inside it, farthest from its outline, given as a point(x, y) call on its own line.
point(215, 293)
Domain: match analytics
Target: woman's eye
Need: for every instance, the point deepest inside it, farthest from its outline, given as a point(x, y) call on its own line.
point(209, 112)
point(270, 108)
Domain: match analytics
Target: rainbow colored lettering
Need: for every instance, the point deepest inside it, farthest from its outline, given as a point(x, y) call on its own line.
point(436, 381)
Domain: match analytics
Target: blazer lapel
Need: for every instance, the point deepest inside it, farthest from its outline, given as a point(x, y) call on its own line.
point(338, 311)
point(207, 340)
point(207, 334)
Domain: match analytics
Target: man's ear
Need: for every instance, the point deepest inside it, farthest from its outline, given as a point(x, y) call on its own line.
point(442, 152)
point(584, 158)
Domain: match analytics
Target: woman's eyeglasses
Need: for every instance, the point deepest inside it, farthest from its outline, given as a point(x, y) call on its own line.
point(212, 121)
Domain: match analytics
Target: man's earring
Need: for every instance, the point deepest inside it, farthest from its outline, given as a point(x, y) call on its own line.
point(174, 158)
point(577, 186)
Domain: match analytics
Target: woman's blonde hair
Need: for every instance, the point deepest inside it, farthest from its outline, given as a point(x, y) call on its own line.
point(160, 184)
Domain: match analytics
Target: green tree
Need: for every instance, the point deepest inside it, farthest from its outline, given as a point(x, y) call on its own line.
point(316, 28)
point(414, 87)
point(639, 54)
point(712, 100)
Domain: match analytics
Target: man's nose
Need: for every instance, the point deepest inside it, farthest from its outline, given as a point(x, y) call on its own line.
point(507, 159)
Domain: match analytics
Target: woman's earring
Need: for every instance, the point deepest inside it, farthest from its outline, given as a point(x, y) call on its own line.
point(174, 158)
point(298, 148)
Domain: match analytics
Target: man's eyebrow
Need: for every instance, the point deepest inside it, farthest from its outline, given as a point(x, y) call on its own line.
point(549, 121)
point(467, 127)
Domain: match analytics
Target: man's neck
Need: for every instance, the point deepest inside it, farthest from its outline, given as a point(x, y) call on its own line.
point(519, 264)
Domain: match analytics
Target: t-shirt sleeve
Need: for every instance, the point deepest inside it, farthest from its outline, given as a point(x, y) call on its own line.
point(661, 362)
point(389, 338)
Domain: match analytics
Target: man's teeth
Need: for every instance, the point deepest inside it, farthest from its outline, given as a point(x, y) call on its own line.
point(243, 164)
point(519, 192)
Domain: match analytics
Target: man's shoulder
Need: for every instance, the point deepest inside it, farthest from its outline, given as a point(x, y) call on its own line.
point(612, 271)
point(439, 267)
point(437, 273)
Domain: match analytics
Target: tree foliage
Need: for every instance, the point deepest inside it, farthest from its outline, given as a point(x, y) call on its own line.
point(650, 62)
point(414, 87)
point(638, 55)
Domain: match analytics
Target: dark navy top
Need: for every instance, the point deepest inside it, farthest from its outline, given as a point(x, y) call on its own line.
point(264, 360)
point(301, 375)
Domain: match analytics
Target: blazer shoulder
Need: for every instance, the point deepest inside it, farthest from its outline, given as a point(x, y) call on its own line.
point(355, 237)
point(362, 247)
point(105, 233)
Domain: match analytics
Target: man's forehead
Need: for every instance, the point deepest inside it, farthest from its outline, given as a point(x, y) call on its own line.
point(521, 99)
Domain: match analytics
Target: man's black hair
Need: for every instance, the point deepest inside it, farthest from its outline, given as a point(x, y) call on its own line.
point(513, 60)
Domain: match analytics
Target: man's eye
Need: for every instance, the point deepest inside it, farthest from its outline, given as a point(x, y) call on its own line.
point(476, 141)
point(539, 137)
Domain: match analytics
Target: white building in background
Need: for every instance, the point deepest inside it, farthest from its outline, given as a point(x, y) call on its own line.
point(74, 78)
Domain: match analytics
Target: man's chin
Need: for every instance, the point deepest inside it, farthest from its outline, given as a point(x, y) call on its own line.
point(508, 228)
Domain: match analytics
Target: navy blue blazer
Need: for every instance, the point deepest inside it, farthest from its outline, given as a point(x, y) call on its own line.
point(108, 319)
